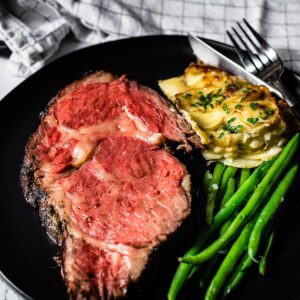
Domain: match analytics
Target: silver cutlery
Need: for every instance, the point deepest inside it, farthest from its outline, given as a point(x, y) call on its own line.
point(213, 57)
point(263, 62)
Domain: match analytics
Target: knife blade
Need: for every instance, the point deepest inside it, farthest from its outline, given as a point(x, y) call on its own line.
point(213, 57)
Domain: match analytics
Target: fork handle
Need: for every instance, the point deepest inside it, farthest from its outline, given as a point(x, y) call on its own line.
point(288, 97)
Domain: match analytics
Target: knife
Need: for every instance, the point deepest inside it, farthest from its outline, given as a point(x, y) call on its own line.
point(213, 57)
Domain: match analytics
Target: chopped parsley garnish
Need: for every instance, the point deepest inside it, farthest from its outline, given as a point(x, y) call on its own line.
point(230, 128)
point(254, 106)
point(221, 135)
point(237, 83)
point(246, 90)
point(226, 108)
point(187, 96)
point(238, 106)
point(218, 93)
point(252, 121)
point(207, 100)
point(266, 113)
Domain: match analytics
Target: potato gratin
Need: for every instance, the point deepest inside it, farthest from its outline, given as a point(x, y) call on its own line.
point(239, 123)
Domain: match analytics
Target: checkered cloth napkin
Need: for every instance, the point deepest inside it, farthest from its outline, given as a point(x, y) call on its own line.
point(34, 29)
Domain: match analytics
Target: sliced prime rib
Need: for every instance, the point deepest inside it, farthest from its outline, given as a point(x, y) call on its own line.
point(106, 188)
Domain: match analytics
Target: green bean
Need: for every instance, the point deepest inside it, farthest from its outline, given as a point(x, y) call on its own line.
point(269, 210)
point(245, 173)
point(209, 268)
point(230, 189)
point(246, 262)
point(241, 194)
point(238, 274)
point(263, 262)
point(225, 227)
point(228, 173)
point(212, 191)
point(193, 271)
point(229, 192)
point(229, 262)
point(210, 238)
point(234, 202)
point(206, 180)
point(257, 197)
point(184, 269)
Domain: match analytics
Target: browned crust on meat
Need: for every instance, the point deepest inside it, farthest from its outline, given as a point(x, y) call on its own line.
point(33, 191)
point(37, 197)
point(189, 133)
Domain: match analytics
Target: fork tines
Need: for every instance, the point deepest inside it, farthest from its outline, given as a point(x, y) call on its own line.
point(255, 53)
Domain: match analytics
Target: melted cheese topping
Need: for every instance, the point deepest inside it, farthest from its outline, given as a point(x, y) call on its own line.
point(240, 123)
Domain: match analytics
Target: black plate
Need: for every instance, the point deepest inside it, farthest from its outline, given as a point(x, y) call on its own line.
point(26, 250)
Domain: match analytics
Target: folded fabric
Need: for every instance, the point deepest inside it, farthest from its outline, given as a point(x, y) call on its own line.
point(34, 29)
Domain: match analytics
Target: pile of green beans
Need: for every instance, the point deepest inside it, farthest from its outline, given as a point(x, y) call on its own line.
point(239, 207)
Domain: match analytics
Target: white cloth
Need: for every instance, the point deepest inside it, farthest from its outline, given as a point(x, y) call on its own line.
point(33, 29)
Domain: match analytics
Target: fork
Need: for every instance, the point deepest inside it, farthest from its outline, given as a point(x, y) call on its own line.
point(263, 62)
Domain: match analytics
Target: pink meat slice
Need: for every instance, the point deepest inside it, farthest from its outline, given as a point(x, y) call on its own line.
point(88, 112)
point(98, 156)
point(93, 103)
point(130, 194)
point(91, 271)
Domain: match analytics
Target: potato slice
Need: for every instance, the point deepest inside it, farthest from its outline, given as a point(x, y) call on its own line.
point(173, 86)
point(231, 116)
point(208, 120)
